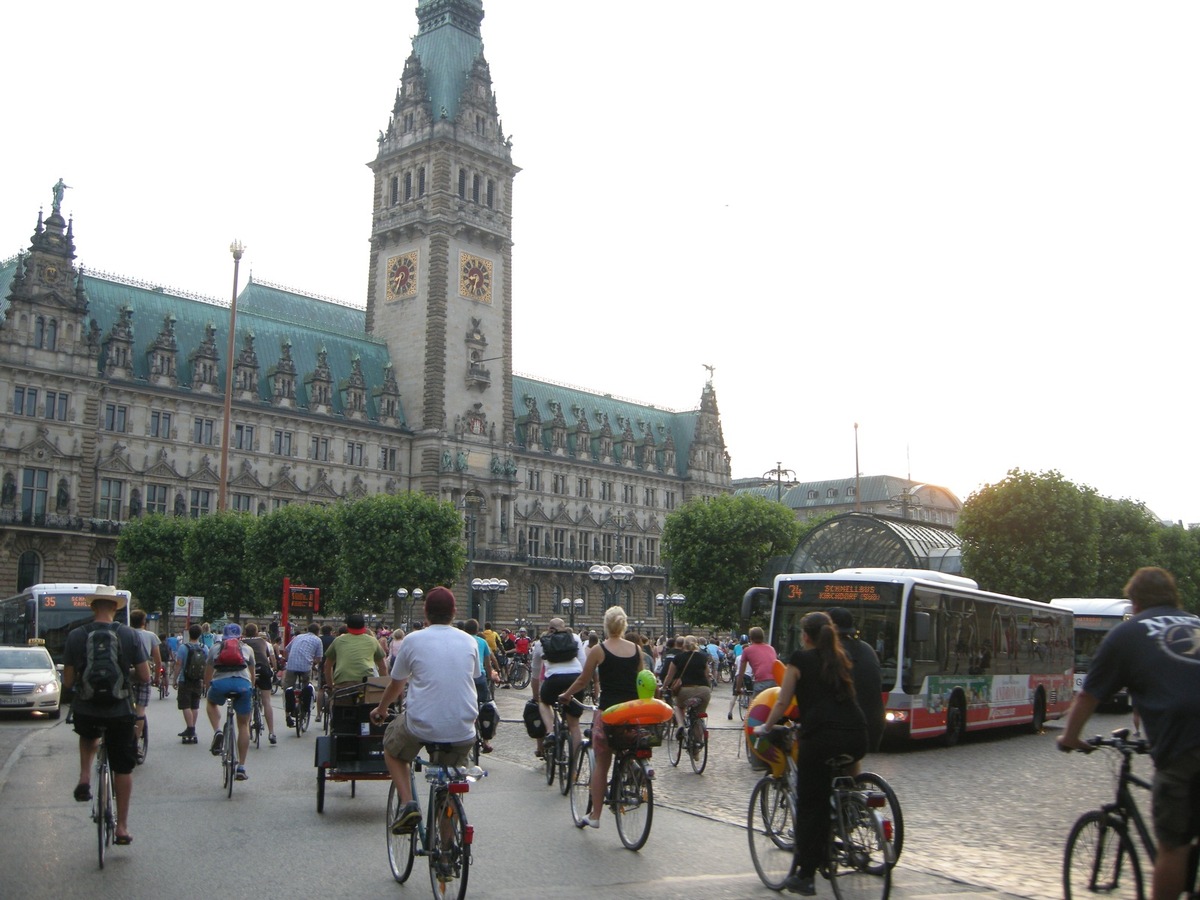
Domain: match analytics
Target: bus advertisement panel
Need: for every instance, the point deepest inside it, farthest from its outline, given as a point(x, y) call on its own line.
point(44, 613)
point(953, 658)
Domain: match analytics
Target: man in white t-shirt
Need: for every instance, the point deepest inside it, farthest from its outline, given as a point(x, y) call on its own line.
point(439, 665)
point(553, 677)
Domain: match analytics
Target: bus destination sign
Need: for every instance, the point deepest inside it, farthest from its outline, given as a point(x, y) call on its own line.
point(833, 593)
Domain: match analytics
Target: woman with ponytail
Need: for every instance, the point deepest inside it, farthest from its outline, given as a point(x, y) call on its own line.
point(820, 677)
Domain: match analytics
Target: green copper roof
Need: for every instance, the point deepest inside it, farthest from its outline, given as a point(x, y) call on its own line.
point(447, 44)
point(679, 426)
point(272, 315)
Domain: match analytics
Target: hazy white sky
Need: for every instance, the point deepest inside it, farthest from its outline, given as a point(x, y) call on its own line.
point(969, 227)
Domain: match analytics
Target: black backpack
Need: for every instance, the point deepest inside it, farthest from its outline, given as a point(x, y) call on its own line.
point(193, 665)
point(104, 680)
point(559, 646)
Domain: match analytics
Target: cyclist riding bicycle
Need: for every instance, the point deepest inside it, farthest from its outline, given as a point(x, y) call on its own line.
point(301, 653)
point(225, 679)
point(687, 679)
point(820, 679)
point(555, 667)
point(1156, 655)
point(438, 665)
point(264, 668)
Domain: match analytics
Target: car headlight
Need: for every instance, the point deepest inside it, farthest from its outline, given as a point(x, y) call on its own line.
point(47, 687)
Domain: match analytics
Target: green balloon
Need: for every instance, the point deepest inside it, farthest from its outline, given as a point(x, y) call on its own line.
point(646, 684)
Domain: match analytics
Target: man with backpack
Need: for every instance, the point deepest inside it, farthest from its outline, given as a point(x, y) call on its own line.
point(561, 655)
point(190, 662)
point(230, 675)
point(97, 659)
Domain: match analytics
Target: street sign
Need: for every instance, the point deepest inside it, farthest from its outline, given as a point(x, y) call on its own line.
point(189, 606)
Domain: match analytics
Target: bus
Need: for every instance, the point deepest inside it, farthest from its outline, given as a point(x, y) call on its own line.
point(953, 658)
point(1094, 618)
point(44, 613)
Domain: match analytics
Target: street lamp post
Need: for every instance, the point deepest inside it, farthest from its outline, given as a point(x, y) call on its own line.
point(611, 580)
point(404, 593)
point(778, 474)
point(570, 606)
point(669, 602)
point(236, 249)
point(490, 588)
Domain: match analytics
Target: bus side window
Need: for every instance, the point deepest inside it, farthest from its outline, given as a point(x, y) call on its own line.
point(922, 626)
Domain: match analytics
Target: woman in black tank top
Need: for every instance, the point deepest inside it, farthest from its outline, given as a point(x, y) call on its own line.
point(616, 662)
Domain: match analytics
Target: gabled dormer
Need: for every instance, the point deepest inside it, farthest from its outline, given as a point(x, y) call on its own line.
point(118, 346)
point(320, 384)
point(282, 378)
point(163, 355)
point(387, 397)
point(204, 361)
point(354, 391)
point(245, 370)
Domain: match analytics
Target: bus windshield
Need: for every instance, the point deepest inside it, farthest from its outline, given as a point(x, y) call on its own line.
point(875, 606)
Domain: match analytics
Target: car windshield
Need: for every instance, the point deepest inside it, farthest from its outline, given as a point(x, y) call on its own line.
point(24, 658)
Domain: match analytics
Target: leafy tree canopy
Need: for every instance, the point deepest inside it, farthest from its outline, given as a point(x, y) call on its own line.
point(213, 565)
point(149, 550)
point(718, 548)
point(298, 542)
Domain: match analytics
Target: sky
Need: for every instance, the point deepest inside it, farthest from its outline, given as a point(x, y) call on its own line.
point(970, 228)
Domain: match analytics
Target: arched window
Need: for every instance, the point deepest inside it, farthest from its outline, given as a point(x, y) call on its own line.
point(812, 495)
point(39, 332)
point(51, 334)
point(106, 571)
point(29, 569)
point(831, 493)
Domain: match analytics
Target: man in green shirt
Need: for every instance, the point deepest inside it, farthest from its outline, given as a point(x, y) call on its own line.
point(354, 655)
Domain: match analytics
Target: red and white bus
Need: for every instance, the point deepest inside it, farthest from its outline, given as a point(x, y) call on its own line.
point(954, 658)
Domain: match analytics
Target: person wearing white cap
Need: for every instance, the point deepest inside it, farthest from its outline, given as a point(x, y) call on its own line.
point(97, 705)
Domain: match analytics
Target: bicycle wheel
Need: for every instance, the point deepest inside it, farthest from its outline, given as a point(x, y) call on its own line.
point(401, 848)
point(563, 760)
point(1100, 859)
point(549, 755)
point(103, 810)
point(256, 722)
point(633, 803)
point(581, 784)
point(698, 747)
point(518, 675)
point(893, 818)
point(229, 756)
point(743, 704)
point(769, 828)
point(143, 743)
point(858, 853)
point(674, 744)
point(449, 851)
point(725, 674)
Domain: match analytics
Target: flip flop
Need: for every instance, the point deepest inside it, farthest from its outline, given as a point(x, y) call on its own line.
point(123, 840)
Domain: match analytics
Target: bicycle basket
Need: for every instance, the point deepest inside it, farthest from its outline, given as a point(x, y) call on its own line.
point(628, 737)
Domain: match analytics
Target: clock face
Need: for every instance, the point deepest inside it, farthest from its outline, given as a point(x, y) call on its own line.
point(402, 276)
point(475, 277)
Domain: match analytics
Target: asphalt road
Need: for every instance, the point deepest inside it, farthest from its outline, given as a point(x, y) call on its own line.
point(984, 819)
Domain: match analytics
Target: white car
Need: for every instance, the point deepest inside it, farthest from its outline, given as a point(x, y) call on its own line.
point(28, 681)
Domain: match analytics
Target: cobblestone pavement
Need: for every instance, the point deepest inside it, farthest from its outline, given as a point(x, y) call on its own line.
point(994, 811)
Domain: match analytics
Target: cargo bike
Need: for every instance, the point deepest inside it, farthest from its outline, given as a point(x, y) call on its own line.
point(352, 748)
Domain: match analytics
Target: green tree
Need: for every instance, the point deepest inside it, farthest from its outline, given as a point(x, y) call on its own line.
point(1179, 553)
point(298, 542)
point(214, 566)
point(387, 542)
point(718, 549)
point(1129, 535)
point(1035, 536)
point(149, 550)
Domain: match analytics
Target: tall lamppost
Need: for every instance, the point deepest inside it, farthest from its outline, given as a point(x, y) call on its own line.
point(778, 474)
point(611, 580)
point(236, 249)
point(402, 594)
point(669, 602)
point(490, 588)
point(570, 606)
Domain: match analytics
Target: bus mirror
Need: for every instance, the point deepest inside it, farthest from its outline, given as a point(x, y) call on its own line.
point(921, 627)
point(750, 599)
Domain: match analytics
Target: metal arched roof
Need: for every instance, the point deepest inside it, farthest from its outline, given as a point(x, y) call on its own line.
point(858, 539)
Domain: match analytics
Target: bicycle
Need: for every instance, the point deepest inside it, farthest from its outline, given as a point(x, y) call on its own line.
point(630, 792)
point(858, 860)
point(725, 670)
point(256, 719)
point(103, 800)
point(164, 687)
point(1100, 857)
point(890, 812)
point(556, 751)
point(517, 673)
point(229, 753)
point(694, 740)
point(142, 744)
point(444, 836)
point(302, 700)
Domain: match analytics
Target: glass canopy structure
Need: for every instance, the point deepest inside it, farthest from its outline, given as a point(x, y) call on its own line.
point(855, 540)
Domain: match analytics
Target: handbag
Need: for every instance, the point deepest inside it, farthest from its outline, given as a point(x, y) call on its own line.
point(678, 682)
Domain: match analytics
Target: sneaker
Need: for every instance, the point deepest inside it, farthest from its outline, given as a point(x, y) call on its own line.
point(588, 822)
point(240, 774)
point(409, 818)
point(217, 744)
point(271, 738)
point(185, 732)
point(291, 721)
point(801, 884)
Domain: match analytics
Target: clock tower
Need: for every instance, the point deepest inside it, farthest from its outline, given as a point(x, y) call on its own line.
point(440, 286)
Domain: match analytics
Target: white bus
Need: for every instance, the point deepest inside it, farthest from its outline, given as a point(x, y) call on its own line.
point(954, 658)
point(1094, 618)
point(44, 613)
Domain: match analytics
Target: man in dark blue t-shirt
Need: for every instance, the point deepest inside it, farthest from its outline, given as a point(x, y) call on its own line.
point(1156, 655)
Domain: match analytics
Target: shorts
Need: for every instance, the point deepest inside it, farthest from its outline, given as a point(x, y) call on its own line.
point(188, 694)
point(688, 691)
point(555, 685)
point(398, 743)
point(1177, 799)
point(599, 738)
point(141, 693)
point(122, 756)
point(290, 678)
point(240, 689)
point(263, 678)
point(760, 686)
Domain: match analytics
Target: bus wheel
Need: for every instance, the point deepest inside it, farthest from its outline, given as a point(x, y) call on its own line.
point(956, 720)
point(1039, 712)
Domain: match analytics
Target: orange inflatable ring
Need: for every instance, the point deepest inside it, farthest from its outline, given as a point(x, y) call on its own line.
point(637, 712)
